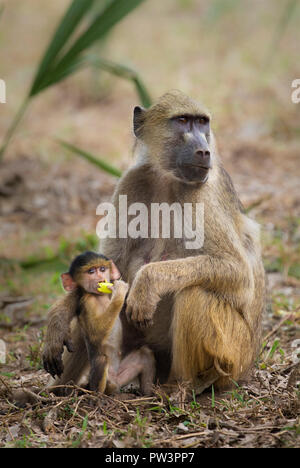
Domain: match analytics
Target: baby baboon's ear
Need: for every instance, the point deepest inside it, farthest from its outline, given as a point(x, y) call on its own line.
point(68, 282)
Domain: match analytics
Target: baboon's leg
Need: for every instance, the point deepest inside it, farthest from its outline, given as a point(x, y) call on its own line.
point(211, 340)
point(98, 373)
point(139, 363)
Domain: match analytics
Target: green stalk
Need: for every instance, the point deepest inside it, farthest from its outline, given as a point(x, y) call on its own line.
point(13, 126)
point(123, 72)
point(73, 16)
point(64, 55)
point(102, 24)
point(91, 158)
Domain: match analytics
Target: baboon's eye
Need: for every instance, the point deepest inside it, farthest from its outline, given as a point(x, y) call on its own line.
point(202, 120)
point(183, 119)
point(91, 271)
point(102, 268)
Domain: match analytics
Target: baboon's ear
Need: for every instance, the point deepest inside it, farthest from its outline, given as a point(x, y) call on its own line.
point(138, 120)
point(114, 273)
point(68, 282)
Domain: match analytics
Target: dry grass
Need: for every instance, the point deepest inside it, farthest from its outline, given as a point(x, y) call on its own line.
point(262, 413)
point(48, 201)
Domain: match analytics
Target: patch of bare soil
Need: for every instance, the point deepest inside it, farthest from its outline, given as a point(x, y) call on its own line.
point(49, 196)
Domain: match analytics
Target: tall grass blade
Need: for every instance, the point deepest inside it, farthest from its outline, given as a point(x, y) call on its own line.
point(126, 72)
point(59, 62)
point(77, 441)
point(142, 92)
point(13, 126)
point(102, 24)
point(273, 349)
point(67, 26)
point(91, 158)
point(63, 73)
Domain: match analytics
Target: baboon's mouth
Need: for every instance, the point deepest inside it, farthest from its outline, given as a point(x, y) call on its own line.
point(93, 287)
point(196, 173)
point(197, 165)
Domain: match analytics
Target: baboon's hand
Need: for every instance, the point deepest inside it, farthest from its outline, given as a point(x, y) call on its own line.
point(142, 300)
point(52, 354)
point(120, 289)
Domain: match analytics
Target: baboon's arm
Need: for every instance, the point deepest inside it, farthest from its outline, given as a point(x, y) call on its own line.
point(98, 320)
point(227, 277)
point(58, 332)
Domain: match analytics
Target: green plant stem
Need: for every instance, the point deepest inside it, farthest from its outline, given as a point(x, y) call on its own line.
point(91, 158)
point(54, 66)
point(123, 72)
point(13, 126)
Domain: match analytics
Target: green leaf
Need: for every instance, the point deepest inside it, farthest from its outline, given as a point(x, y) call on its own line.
point(77, 442)
point(64, 56)
point(102, 24)
point(91, 158)
point(126, 72)
point(72, 17)
point(61, 74)
point(273, 349)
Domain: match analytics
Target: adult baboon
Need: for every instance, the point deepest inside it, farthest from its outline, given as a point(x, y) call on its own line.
point(199, 310)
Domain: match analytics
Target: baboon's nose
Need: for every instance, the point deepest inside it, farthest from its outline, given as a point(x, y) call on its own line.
point(203, 158)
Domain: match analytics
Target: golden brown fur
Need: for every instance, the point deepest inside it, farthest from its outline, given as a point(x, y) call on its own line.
point(99, 316)
point(216, 295)
point(94, 339)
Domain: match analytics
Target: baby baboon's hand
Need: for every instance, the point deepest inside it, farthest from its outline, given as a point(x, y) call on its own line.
point(53, 350)
point(120, 289)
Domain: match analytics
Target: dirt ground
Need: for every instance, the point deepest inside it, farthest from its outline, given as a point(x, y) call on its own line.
point(48, 201)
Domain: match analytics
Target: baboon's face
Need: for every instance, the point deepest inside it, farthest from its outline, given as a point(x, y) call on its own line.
point(187, 153)
point(88, 277)
point(93, 275)
point(176, 134)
